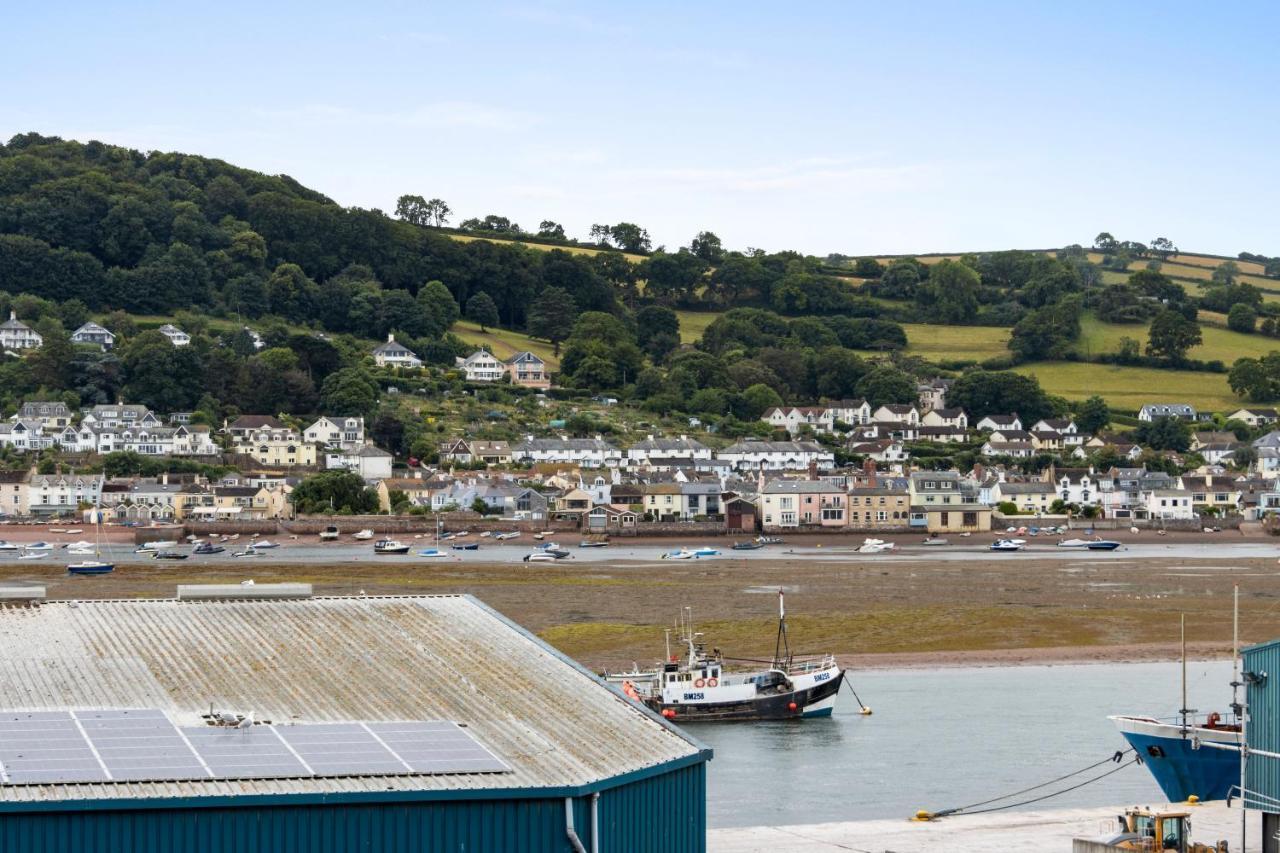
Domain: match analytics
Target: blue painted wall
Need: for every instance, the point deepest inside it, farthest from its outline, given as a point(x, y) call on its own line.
point(1262, 775)
point(665, 812)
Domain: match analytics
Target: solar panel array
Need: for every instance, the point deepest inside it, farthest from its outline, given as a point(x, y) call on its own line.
point(141, 745)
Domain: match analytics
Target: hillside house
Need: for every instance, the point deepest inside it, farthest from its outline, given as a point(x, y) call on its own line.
point(1215, 492)
point(955, 417)
point(1255, 417)
point(851, 412)
point(586, 452)
point(1182, 411)
point(933, 394)
point(17, 335)
point(120, 415)
point(468, 451)
point(176, 336)
point(794, 418)
point(529, 370)
point(367, 461)
point(992, 423)
point(481, 366)
point(669, 450)
point(1065, 426)
point(92, 333)
point(393, 354)
point(344, 432)
point(1012, 449)
point(776, 455)
point(49, 414)
point(898, 413)
point(944, 502)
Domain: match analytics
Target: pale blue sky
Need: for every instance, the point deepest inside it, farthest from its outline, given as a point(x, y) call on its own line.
point(849, 127)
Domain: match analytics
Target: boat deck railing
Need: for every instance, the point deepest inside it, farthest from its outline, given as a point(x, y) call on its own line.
point(811, 664)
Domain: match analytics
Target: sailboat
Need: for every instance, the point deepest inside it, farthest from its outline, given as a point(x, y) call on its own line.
point(434, 553)
point(95, 565)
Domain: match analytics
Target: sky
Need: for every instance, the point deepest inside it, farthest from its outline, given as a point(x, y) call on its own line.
point(853, 127)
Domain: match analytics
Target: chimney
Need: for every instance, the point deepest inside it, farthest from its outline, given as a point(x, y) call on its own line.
point(813, 469)
point(869, 471)
point(391, 336)
point(979, 472)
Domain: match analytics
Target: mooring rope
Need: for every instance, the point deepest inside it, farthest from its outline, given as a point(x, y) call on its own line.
point(1115, 758)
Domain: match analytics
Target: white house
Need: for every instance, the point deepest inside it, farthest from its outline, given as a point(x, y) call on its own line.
point(1000, 422)
point(482, 366)
point(933, 394)
point(1152, 411)
point(392, 354)
point(345, 432)
point(120, 415)
point(586, 452)
point(50, 413)
point(529, 370)
point(852, 412)
point(1078, 486)
point(58, 494)
point(668, 450)
point(1065, 426)
point(1169, 504)
point(880, 449)
point(792, 418)
point(1254, 417)
point(371, 463)
point(176, 336)
point(15, 334)
point(954, 417)
point(898, 413)
point(92, 333)
point(776, 455)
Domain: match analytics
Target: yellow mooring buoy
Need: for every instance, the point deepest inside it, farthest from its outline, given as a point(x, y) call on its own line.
point(1193, 800)
point(866, 712)
point(923, 816)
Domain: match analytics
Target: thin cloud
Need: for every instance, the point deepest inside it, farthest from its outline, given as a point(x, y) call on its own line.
point(797, 174)
point(442, 114)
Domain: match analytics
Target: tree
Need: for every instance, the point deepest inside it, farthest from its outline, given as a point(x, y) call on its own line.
point(482, 310)
point(439, 307)
point(1047, 333)
point(1093, 416)
point(438, 212)
point(983, 392)
point(1226, 273)
point(887, 385)
point(550, 230)
point(329, 492)
point(1172, 335)
point(1104, 242)
point(654, 321)
point(601, 234)
point(708, 247)
point(550, 316)
point(673, 276)
point(1164, 434)
point(159, 375)
point(758, 399)
point(630, 237)
point(1242, 318)
point(51, 362)
point(350, 391)
point(1163, 247)
point(950, 294)
point(1244, 456)
point(412, 209)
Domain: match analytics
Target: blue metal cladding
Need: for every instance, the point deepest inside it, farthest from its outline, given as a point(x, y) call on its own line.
point(664, 812)
point(1262, 775)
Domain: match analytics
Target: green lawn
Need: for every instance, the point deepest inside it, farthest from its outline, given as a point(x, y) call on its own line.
point(1131, 387)
point(694, 323)
point(504, 343)
point(546, 247)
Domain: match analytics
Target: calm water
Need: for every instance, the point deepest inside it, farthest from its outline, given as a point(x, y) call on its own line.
point(947, 737)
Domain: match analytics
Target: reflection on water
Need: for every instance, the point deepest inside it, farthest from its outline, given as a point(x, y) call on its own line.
point(946, 737)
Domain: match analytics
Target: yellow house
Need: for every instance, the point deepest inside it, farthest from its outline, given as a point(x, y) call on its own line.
point(280, 453)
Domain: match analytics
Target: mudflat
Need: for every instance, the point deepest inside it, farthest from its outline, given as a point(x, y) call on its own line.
point(870, 611)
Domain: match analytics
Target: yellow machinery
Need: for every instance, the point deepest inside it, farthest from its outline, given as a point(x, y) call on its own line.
point(1153, 831)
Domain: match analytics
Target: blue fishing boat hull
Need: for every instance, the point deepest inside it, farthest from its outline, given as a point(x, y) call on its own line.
point(1178, 769)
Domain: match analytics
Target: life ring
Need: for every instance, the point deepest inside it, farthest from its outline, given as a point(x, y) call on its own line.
point(711, 682)
point(699, 684)
point(1214, 719)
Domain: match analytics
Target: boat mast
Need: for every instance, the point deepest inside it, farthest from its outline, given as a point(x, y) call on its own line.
point(781, 645)
point(1239, 709)
point(1184, 673)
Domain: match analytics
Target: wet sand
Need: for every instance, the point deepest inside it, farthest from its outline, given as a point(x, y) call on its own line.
point(918, 607)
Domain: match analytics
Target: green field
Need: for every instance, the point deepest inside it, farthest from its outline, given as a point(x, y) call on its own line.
point(1097, 337)
point(504, 343)
point(694, 323)
point(1130, 387)
point(546, 247)
point(956, 342)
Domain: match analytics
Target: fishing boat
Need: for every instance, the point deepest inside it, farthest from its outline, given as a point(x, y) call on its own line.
point(697, 686)
point(169, 555)
point(1103, 545)
point(747, 546)
point(207, 548)
point(263, 545)
point(1008, 545)
point(1191, 754)
point(329, 534)
point(390, 546)
point(935, 541)
point(466, 546)
point(363, 535)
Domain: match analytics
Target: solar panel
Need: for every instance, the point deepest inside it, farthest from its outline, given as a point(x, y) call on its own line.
point(251, 753)
point(39, 747)
point(138, 745)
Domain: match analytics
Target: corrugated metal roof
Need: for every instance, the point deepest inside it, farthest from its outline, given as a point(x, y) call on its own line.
point(328, 659)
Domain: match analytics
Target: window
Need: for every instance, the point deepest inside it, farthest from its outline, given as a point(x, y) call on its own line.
point(833, 515)
point(945, 518)
point(881, 515)
point(970, 519)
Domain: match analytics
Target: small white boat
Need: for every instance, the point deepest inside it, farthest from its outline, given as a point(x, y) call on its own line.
point(935, 541)
point(74, 531)
point(33, 555)
point(263, 544)
point(678, 554)
point(539, 557)
point(160, 544)
point(38, 546)
point(6, 545)
point(505, 536)
point(1073, 543)
point(363, 535)
point(432, 553)
point(329, 534)
point(79, 543)
point(706, 551)
point(57, 530)
point(1007, 545)
point(82, 551)
point(875, 546)
point(248, 552)
point(486, 533)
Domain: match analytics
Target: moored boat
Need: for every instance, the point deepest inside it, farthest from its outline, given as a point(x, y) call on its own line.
point(38, 546)
point(594, 543)
point(1103, 545)
point(390, 546)
point(159, 544)
point(747, 546)
point(170, 555)
point(935, 541)
point(6, 545)
point(432, 553)
point(263, 545)
point(1073, 543)
point(698, 687)
point(769, 540)
point(466, 546)
point(505, 536)
point(363, 535)
point(1008, 545)
point(1176, 756)
point(875, 546)
point(91, 567)
point(207, 548)
point(329, 534)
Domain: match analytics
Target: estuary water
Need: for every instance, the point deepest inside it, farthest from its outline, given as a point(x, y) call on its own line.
point(947, 737)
